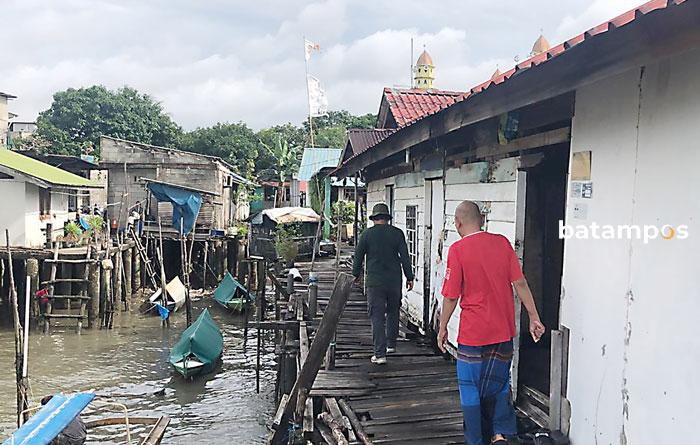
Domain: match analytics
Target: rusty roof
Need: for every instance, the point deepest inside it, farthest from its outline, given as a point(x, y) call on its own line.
point(360, 139)
point(410, 105)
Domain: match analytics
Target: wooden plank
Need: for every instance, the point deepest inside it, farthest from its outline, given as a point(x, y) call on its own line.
point(318, 348)
point(308, 423)
point(472, 173)
point(355, 422)
point(555, 380)
point(499, 191)
point(155, 436)
point(277, 419)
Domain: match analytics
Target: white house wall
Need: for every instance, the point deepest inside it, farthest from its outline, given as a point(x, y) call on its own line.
point(12, 218)
point(631, 307)
point(35, 235)
point(492, 184)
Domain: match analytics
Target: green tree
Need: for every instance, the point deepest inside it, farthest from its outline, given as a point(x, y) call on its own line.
point(295, 136)
point(78, 117)
point(235, 143)
point(330, 130)
point(286, 163)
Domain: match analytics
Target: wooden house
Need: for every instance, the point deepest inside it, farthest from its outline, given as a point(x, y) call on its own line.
point(598, 131)
point(131, 165)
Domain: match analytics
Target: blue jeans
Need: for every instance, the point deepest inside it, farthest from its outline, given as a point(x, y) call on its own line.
point(383, 305)
point(483, 373)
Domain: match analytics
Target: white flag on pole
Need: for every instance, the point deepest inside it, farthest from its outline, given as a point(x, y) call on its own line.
point(310, 47)
point(318, 102)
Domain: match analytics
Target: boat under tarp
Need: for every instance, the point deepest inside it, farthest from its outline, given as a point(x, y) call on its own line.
point(199, 348)
point(51, 419)
point(231, 294)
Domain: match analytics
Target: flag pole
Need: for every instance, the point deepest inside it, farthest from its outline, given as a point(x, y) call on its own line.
point(308, 98)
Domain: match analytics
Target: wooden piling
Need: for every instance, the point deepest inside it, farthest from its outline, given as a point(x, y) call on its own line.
point(22, 402)
point(128, 286)
point(33, 273)
point(136, 282)
point(94, 293)
point(108, 295)
point(312, 364)
point(117, 277)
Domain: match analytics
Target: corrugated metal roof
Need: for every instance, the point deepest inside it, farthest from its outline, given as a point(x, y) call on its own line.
point(360, 139)
point(314, 159)
point(25, 165)
point(410, 105)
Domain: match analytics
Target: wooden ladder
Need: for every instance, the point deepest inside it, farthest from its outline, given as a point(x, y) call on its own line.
point(82, 295)
point(148, 265)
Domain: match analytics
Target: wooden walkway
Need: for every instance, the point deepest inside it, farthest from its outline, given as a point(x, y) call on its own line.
point(413, 399)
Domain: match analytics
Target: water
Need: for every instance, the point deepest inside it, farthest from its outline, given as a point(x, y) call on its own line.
point(130, 364)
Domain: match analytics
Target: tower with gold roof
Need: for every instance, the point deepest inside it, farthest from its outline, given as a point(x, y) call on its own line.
point(423, 72)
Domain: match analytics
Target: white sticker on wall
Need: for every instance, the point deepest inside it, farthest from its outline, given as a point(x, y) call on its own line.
point(580, 210)
point(582, 189)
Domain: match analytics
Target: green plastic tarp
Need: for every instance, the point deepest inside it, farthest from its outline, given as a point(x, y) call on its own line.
point(226, 290)
point(202, 339)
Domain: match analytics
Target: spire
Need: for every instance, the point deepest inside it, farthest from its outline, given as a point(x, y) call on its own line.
point(496, 74)
point(423, 72)
point(541, 45)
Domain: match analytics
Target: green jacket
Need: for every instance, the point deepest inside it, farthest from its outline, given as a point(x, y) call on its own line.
point(386, 251)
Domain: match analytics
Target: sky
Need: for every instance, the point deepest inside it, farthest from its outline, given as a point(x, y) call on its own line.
point(210, 61)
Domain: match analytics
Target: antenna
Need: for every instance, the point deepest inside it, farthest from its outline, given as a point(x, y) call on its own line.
point(410, 79)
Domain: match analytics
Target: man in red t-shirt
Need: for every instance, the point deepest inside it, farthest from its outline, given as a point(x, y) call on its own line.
point(482, 270)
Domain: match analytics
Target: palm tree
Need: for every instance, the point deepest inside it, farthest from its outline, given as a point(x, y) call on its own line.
point(285, 164)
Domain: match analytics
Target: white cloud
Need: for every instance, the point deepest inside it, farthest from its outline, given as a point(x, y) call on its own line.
point(231, 60)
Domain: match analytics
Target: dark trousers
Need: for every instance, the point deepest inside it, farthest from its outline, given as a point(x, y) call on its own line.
point(383, 305)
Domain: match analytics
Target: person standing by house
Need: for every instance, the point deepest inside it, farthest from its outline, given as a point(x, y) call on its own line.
point(387, 253)
point(482, 270)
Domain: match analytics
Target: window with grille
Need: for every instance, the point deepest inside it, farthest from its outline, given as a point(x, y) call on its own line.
point(412, 234)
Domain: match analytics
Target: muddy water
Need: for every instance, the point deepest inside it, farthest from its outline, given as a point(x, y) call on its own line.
point(130, 365)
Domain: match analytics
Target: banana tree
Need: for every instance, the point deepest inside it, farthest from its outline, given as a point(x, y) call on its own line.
point(285, 164)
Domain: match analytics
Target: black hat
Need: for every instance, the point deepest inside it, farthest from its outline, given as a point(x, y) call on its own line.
point(380, 211)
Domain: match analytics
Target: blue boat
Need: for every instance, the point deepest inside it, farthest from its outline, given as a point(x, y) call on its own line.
point(51, 419)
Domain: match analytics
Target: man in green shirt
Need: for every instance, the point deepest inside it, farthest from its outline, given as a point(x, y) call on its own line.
point(385, 248)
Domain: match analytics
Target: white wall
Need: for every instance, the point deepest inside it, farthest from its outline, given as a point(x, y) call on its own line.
point(12, 217)
point(632, 308)
point(59, 215)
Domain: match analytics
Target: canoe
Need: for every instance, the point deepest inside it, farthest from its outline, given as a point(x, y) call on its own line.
point(199, 347)
point(232, 295)
point(175, 298)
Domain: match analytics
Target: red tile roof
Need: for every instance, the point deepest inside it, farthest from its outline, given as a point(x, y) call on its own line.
point(410, 112)
point(410, 105)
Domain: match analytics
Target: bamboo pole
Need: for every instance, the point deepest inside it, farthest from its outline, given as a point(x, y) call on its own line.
point(22, 402)
point(184, 263)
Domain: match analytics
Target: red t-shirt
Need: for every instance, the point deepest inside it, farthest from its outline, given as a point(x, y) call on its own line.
point(480, 270)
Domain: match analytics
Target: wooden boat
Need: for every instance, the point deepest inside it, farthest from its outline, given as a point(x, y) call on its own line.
point(174, 299)
point(51, 419)
point(199, 348)
point(232, 295)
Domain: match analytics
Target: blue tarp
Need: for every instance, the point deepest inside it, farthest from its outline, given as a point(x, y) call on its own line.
point(51, 419)
point(185, 203)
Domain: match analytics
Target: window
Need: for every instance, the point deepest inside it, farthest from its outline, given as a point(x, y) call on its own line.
point(72, 200)
point(412, 234)
point(44, 201)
